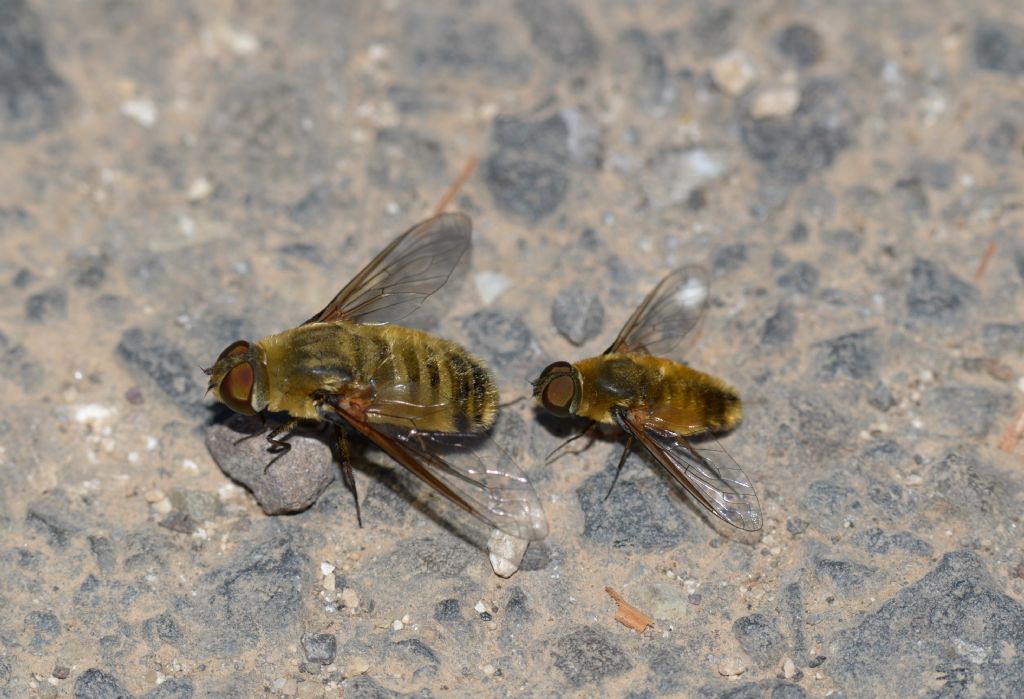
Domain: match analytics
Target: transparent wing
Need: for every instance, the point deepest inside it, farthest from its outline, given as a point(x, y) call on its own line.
point(667, 315)
point(470, 470)
point(415, 265)
point(714, 479)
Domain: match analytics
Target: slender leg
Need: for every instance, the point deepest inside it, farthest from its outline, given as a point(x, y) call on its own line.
point(618, 470)
point(564, 444)
point(280, 447)
point(346, 472)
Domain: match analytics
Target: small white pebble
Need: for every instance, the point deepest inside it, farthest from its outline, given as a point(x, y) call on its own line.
point(152, 443)
point(733, 73)
point(326, 568)
point(406, 620)
point(488, 669)
point(163, 507)
point(133, 457)
point(189, 465)
point(777, 103)
point(788, 669)
point(93, 413)
point(141, 110)
point(200, 189)
point(731, 667)
point(329, 582)
point(491, 285)
point(397, 625)
point(155, 495)
point(479, 607)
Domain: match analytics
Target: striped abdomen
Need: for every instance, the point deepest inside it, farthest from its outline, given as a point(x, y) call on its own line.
point(413, 379)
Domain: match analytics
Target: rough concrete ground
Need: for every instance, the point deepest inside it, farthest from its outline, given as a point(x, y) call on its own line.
point(179, 175)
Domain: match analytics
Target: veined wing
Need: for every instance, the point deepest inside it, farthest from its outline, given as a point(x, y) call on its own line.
point(395, 283)
point(711, 476)
point(667, 315)
point(469, 469)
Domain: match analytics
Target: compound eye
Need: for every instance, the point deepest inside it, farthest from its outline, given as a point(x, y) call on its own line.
point(555, 368)
point(234, 349)
point(236, 389)
point(559, 394)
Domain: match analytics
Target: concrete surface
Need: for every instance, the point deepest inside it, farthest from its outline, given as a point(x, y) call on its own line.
point(178, 175)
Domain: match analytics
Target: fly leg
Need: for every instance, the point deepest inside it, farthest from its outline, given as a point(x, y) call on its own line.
point(618, 470)
point(279, 446)
point(347, 473)
point(563, 445)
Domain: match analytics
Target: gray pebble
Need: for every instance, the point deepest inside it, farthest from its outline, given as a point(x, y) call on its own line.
point(559, 30)
point(855, 355)
point(151, 354)
point(881, 398)
point(970, 411)
point(96, 684)
point(198, 505)
point(822, 126)
point(33, 96)
point(291, 483)
point(319, 647)
point(45, 627)
point(586, 655)
point(802, 278)
point(448, 610)
point(577, 315)
point(759, 636)
point(640, 512)
point(172, 688)
point(524, 186)
point(780, 327)
point(1001, 339)
point(999, 47)
point(847, 577)
point(503, 341)
point(47, 306)
point(801, 44)
point(935, 295)
point(907, 632)
point(641, 62)
point(453, 45)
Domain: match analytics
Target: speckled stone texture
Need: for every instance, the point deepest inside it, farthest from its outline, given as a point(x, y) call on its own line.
point(179, 175)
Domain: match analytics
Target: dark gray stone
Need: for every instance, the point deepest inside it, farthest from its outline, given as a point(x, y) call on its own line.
point(586, 656)
point(281, 483)
point(848, 577)
point(875, 540)
point(796, 526)
point(47, 306)
point(90, 270)
point(881, 398)
point(780, 327)
point(809, 141)
point(51, 516)
point(438, 46)
point(971, 411)
point(560, 31)
point(828, 499)
point(517, 606)
point(844, 240)
point(955, 617)
point(405, 160)
point(103, 550)
point(172, 688)
point(935, 295)
point(257, 595)
point(855, 355)
point(641, 511)
point(152, 355)
point(96, 684)
point(33, 97)
point(999, 47)
point(641, 62)
point(319, 647)
point(937, 174)
point(801, 44)
point(502, 340)
point(802, 278)
point(17, 366)
point(1000, 339)
point(525, 186)
point(45, 627)
point(911, 197)
point(448, 610)
point(363, 687)
point(577, 315)
point(728, 259)
point(164, 628)
point(760, 638)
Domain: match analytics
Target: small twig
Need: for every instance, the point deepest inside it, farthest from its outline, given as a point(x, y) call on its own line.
point(627, 614)
point(467, 171)
point(990, 250)
point(1012, 434)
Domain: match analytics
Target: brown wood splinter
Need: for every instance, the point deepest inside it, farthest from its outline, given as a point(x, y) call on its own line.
point(627, 614)
point(1013, 433)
